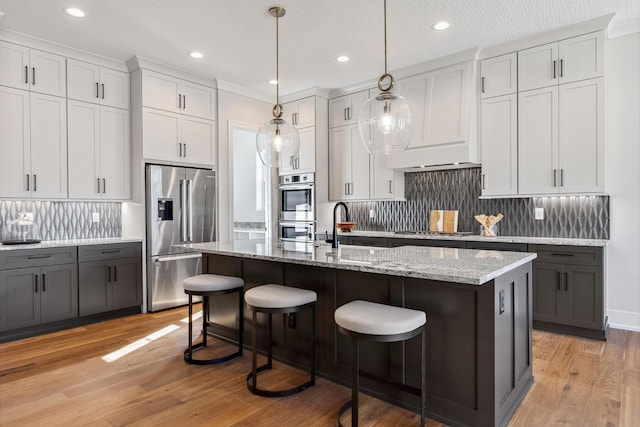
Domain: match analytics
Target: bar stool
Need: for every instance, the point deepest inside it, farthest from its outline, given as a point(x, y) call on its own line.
point(205, 286)
point(368, 321)
point(272, 299)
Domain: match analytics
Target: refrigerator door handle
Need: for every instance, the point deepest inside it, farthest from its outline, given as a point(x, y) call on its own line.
point(190, 208)
point(183, 212)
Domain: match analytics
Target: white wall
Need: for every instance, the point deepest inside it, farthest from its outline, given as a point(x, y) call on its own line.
point(240, 109)
point(623, 180)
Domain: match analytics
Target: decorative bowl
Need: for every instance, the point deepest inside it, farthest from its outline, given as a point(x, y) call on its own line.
point(345, 226)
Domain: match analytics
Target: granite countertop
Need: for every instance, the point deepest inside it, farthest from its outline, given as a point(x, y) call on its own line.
point(477, 238)
point(469, 266)
point(71, 242)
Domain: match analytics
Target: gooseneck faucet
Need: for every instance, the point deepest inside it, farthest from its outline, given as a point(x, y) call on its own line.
point(334, 243)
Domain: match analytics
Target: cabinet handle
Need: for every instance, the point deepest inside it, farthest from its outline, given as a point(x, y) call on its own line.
point(346, 192)
point(483, 181)
point(26, 74)
point(44, 283)
point(554, 69)
point(184, 149)
point(113, 251)
point(566, 281)
point(108, 273)
point(344, 114)
point(39, 257)
point(554, 254)
point(179, 101)
point(554, 177)
point(349, 112)
point(104, 185)
point(98, 180)
point(33, 76)
point(27, 182)
point(179, 149)
point(97, 90)
point(561, 67)
point(482, 80)
point(36, 277)
point(102, 90)
point(35, 182)
point(184, 102)
point(351, 188)
point(561, 177)
point(115, 273)
point(390, 186)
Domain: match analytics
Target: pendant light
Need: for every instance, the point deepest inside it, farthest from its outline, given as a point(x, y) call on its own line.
point(385, 121)
point(277, 139)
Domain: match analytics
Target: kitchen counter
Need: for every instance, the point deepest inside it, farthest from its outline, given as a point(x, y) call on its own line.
point(70, 242)
point(564, 241)
point(479, 318)
point(468, 266)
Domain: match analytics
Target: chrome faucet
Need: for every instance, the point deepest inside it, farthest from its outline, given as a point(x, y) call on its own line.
point(334, 242)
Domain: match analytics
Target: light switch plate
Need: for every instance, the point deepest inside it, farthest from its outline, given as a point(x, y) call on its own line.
point(372, 214)
point(95, 216)
point(25, 216)
point(539, 213)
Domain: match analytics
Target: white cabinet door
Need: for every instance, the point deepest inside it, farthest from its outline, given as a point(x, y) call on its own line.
point(197, 137)
point(500, 146)
point(305, 161)
point(382, 179)
point(538, 67)
point(302, 113)
point(499, 75)
point(114, 88)
point(48, 146)
point(197, 100)
point(344, 110)
point(14, 71)
point(581, 135)
point(581, 57)
point(446, 109)
point(83, 81)
point(339, 162)
point(48, 73)
point(160, 91)
point(359, 165)
point(160, 133)
point(15, 162)
point(115, 153)
point(415, 91)
point(83, 147)
point(538, 141)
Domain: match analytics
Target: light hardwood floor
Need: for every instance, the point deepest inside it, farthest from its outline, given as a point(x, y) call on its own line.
point(61, 379)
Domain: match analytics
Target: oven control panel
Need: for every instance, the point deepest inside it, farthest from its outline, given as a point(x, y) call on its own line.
point(297, 179)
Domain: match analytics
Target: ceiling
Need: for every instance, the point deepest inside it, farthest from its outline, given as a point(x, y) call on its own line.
point(237, 37)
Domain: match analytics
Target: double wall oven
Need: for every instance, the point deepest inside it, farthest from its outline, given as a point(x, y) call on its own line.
point(297, 209)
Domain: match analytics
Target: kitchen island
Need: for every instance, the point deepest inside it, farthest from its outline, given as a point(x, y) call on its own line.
point(478, 306)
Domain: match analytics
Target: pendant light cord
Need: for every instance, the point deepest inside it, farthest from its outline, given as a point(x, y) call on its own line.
point(385, 36)
point(277, 63)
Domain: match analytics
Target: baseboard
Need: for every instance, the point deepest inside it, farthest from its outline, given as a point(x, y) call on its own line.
point(627, 320)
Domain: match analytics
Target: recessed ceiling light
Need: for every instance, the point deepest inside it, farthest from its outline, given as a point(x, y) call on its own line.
point(196, 54)
point(442, 25)
point(342, 58)
point(273, 82)
point(74, 11)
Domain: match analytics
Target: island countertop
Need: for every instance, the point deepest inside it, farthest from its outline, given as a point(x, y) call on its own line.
point(468, 266)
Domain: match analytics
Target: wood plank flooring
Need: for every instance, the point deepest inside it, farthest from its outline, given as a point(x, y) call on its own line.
point(61, 379)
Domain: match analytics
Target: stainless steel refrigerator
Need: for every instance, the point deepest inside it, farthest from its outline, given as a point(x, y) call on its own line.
point(180, 209)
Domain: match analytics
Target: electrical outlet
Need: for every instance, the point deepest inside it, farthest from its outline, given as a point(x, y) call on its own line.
point(95, 216)
point(372, 214)
point(291, 320)
point(538, 213)
point(25, 216)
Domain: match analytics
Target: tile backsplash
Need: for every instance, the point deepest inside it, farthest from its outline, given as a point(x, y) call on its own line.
point(66, 220)
point(584, 217)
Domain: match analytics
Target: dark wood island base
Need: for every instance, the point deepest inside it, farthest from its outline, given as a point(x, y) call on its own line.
point(479, 361)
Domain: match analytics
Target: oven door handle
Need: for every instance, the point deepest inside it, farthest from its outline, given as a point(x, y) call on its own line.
point(296, 187)
point(296, 224)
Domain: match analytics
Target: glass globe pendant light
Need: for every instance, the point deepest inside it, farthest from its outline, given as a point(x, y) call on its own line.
point(277, 139)
point(385, 121)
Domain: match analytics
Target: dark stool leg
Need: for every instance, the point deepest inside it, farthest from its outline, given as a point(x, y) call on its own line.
point(355, 382)
point(254, 355)
point(423, 387)
point(240, 321)
point(269, 340)
point(313, 344)
point(190, 348)
point(205, 319)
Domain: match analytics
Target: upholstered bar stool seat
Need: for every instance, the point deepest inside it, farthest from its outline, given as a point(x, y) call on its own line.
point(369, 321)
point(205, 286)
point(272, 299)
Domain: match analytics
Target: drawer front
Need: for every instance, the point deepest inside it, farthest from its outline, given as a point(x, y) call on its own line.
point(380, 242)
point(574, 255)
point(395, 242)
point(23, 258)
point(109, 251)
point(498, 246)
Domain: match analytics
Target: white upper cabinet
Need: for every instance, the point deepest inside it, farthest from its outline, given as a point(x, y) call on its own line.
point(499, 75)
point(348, 165)
point(569, 60)
point(344, 110)
point(302, 113)
point(99, 152)
point(500, 145)
point(169, 93)
point(305, 161)
point(32, 69)
point(197, 136)
point(15, 127)
point(92, 83)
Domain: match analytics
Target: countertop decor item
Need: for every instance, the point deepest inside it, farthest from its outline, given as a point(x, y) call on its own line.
point(443, 221)
point(345, 227)
point(21, 231)
point(488, 224)
point(277, 138)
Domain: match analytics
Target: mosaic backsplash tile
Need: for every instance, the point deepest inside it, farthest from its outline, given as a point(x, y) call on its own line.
point(585, 217)
point(66, 220)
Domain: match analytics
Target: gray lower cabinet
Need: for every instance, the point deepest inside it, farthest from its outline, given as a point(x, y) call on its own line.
point(40, 292)
point(398, 241)
point(380, 242)
point(110, 278)
point(568, 290)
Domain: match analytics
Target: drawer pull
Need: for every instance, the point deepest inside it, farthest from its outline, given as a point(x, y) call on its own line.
point(562, 254)
point(39, 257)
point(112, 251)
